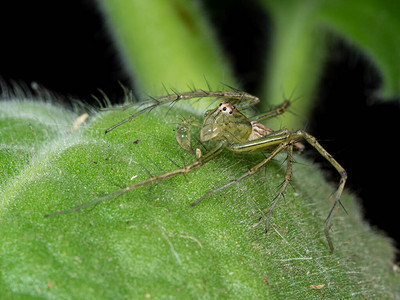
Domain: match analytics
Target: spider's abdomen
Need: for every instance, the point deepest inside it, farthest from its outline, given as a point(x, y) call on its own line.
point(258, 130)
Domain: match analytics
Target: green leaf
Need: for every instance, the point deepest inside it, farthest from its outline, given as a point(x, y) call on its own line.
point(372, 26)
point(150, 242)
point(303, 31)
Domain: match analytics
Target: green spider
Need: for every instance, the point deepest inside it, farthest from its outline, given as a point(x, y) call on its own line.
point(229, 129)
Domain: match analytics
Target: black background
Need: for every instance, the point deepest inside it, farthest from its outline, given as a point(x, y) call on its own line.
point(64, 46)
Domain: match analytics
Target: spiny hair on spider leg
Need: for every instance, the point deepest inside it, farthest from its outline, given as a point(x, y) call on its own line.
point(230, 87)
point(290, 98)
point(207, 83)
point(281, 163)
point(340, 202)
point(191, 86)
point(146, 170)
point(154, 163)
point(171, 105)
point(120, 186)
point(282, 183)
point(173, 162)
point(179, 166)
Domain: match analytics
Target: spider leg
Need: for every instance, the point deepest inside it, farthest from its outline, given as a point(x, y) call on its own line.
point(342, 172)
point(288, 176)
point(250, 172)
point(273, 112)
point(242, 99)
point(181, 171)
point(287, 139)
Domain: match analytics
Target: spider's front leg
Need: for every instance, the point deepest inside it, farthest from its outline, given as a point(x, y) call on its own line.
point(242, 99)
point(273, 112)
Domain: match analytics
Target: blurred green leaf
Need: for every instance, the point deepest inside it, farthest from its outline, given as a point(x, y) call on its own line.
point(372, 26)
point(303, 31)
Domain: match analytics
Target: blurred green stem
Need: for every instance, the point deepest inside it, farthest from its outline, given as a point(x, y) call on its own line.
point(296, 58)
point(166, 42)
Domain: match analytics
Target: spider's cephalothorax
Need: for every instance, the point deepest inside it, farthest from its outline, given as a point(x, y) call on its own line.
point(228, 128)
point(227, 122)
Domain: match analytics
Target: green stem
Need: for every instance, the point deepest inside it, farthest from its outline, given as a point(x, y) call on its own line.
point(295, 61)
point(166, 42)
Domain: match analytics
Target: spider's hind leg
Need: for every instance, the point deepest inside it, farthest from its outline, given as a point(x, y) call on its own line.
point(342, 172)
point(288, 176)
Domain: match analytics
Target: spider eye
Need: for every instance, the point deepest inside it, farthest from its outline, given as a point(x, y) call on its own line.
point(230, 112)
point(220, 104)
point(224, 109)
